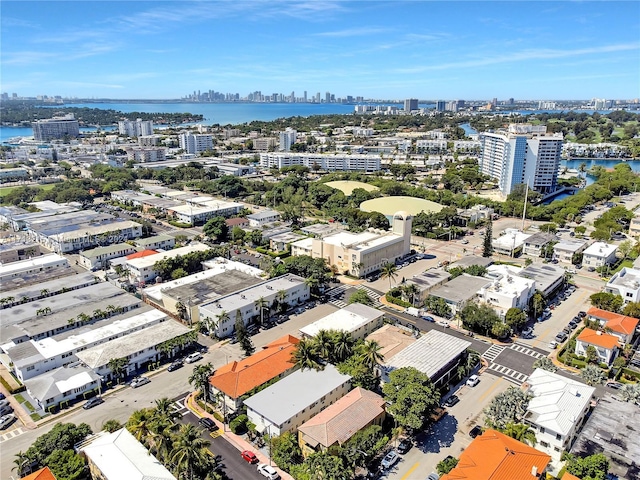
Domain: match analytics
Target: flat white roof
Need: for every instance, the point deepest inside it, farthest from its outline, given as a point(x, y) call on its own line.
point(557, 401)
point(569, 245)
point(347, 319)
point(363, 240)
point(512, 239)
point(294, 393)
point(627, 277)
point(214, 267)
point(506, 279)
point(50, 347)
point(306, 243)
point(429, 354)
point(119, 455)
point(212, 206)
point(87, 231)
point(149, 261)
point(600, 249)
point(8, 269)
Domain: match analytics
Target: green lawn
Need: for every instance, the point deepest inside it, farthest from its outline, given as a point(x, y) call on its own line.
point(6, 190)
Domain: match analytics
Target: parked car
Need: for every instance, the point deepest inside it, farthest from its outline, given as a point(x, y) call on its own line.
point(208, 424)
point(2, 397)
point(268, 471)
point(249, 456)
point(139, 381)
point(194, 357)
point(614, 385)
point(553, 344)
point(428, 318)
point(390, 459)
point(475, 431)
point(527, 332)
point(473, 380)
point(451, 401)
point(6, 420)
point(404, 446)
point(443, 323)
point(561, 337)
point(93, 402)
point(582, 314)
point(433, 476)
point(175, 365)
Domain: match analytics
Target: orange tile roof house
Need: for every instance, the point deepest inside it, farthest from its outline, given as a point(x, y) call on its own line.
point(235, 379)
point(42, 474)
point(621, 326)
point(494, 456)
point(339, 422)
point(606, 345)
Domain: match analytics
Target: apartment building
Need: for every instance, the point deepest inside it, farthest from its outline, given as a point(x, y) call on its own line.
point(194, 143)
point(56, 128)
point(340, 162)
point(135, 128)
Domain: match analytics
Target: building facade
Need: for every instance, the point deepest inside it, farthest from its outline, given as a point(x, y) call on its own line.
point(195, 143)
point(523, 154)
point(287, 138)
point(56, 128)
point(340, 162)
point(135, 128)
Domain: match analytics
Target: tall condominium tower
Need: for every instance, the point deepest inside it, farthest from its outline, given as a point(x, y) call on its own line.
point(138, 128)
point(522, 154)
point(55, 128)
point(410, 104)
point(287, 138)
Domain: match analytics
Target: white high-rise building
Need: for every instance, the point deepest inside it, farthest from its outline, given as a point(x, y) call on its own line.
point(523, 154)
point(195, 143)
point(138, 128)
point(287, 138)
point(55, 128)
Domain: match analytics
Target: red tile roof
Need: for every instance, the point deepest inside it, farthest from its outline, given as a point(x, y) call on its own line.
point(340, 421)
point(232, 222)
point(237, 378)
point(42, 474)
point(143, 253)
point(494, 456)
point(568, 476)
point(615, 321)
point(594, 337)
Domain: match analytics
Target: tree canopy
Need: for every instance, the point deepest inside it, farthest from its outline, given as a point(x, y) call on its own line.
point(412, 397)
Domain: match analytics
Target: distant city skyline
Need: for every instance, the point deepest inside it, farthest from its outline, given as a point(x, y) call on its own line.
point(373, 50)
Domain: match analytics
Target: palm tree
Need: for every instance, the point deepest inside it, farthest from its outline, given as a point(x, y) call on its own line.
point(5, 300)
point(410, 290)
point(118, 367)
point(389, 271)
point(520, 432)
point(281, 296)
point(83, 318)
point(199, 379)
point(323, 343)
point(20, 461)
point(222, 317)
point(369, 353)
point(44, 292)
point(181, 310)
point(111, 426)
point(342, 345)
point(140, 424)
point(110, 310)
point(189, 449)
point(305, 355)
point(545, 363)
point(261, 304)
point(592, 375)
point(164, 411)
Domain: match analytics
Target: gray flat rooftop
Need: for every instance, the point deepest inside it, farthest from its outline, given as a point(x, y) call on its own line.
point(541, 238)
point(320, 229)
point(120, 347)
point(149, 240)
point(429, 279)
point(613, 429)
point(429, 354)
point(460, 289)
point(36, 279)
point(214, 287)
point(294, 393)
point(109, 249)
point(544, 275)
point(627, 277)
point(70, 282)
point(470, 260)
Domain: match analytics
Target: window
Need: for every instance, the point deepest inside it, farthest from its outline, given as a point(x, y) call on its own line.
point(544, 444)
point(558, 436)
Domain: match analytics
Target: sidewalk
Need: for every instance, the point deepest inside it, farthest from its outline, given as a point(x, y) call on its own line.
point(239, 442)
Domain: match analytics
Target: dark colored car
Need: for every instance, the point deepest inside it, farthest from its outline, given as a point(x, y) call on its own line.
point(561, 337)
point(208, 424)
point(93, 402)
point(451, 401)
point(404, 446)
point(582, 314)
point(428, 318)
point(175, 365)
point(475, 431)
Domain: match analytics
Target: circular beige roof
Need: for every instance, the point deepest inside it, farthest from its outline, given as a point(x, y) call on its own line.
point(348, 186)
point(389, 206)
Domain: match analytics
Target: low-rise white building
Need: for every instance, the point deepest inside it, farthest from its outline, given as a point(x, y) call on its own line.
point(634, 227)
point(89, 236)
point(625, 283)
point(511, 243)
point(339, 162)
point(290, 402)
point(357, 319)
point(507, 289)
point(31, 266)
point(157, 242)
point(263, 217)
point(197, 214)
point(98, 258)
point(565, 251)
point(535, 244)
point(281, 242)
point(119, 456)
point(244, 304)
point(556, 412)
point(141, 269)
point(599, 254)
point(63, 384)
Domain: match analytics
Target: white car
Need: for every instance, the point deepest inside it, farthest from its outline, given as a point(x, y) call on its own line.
point(6, 420)
point(443, 323)
point(268, 471)
point(390, 459)
point(553, 344)
point(139, 381)
point(473, 380)
point(194, 357)
point(527, 332)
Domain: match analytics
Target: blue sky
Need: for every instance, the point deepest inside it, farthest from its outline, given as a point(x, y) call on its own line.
point(377, 49)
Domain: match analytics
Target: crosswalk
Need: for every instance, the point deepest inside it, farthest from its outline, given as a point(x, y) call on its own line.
point(335, 293)
point(508, 373)
point(526, 350)
point(180, 407)
point(491, 354)
point(11, 434)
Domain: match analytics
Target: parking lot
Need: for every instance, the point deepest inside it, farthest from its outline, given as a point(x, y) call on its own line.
point(450, 435)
